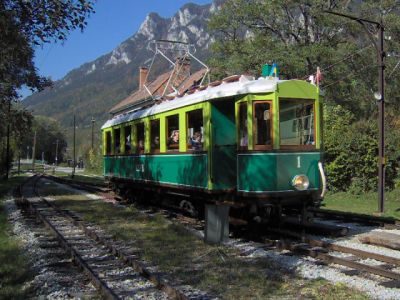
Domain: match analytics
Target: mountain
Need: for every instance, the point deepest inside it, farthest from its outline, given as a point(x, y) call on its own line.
point(96, 86)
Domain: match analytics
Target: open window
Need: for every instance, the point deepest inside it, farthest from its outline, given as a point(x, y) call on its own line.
point(155, 135)
point(117, 141)
point(296, 123)
point(173, 132)
point(140, 138)
point(262, 118)
point(127, 139)
point(108, 143)
point(195, 131)
point(243, 135)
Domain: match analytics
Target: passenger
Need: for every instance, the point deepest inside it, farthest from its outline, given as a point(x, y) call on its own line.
point(244, 139)
point(174, 138)
point(128, 145)
point(140, 146)
point(156, 143)
point(195, 141)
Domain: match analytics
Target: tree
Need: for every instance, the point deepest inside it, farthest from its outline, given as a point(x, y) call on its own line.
point(20, 123)
point(25, 25)
point(299, 36)
point(49, 133)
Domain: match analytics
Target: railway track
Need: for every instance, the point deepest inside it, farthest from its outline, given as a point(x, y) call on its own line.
point(387, 222)
point(113, 270)
point(330, 253)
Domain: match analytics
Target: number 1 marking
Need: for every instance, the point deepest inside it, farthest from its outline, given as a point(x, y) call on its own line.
point(298, 162)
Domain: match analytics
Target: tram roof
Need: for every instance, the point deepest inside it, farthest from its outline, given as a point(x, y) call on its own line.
point(244, 85)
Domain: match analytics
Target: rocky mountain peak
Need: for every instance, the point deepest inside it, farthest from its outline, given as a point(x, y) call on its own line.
point(96, 86)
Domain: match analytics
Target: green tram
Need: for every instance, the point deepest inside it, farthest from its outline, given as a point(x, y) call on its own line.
point(253, 144)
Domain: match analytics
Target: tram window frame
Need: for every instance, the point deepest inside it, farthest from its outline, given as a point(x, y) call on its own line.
point(192, 143)
point(140, 133)
point(117, 140)
point(128, 142)
point(255, 126)
point(153, 146)
point(172, 146)
point(298, 146)
point(243, 139)
point(108, 143)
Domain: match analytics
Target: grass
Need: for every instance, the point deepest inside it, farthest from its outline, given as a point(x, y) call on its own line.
point(366, 203)
point(14, 265)
point(190, 261)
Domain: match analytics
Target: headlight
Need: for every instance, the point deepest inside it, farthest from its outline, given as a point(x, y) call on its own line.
point(300, 182)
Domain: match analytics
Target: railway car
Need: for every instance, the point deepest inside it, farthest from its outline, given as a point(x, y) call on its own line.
point(252, 144)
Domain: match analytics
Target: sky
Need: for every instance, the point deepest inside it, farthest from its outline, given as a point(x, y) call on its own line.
point(113, 22)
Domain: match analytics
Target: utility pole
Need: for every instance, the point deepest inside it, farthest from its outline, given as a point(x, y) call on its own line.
point(19, 157)
point(93, 120)
point(33, 152)
point(8, 140)
point(73, 171)
point(56, 160)
point(380, 97)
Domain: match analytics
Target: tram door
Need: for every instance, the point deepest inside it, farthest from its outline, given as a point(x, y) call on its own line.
point(223, 144)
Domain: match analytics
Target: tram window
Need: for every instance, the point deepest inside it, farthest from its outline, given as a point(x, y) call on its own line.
point(173, 132)
point(155, 134)
point(108, 142)
point(296, 122)
point(262, 123)
point(195, 131)
point(140, 138)
point(127, 139)
point(117, 141)
point(243, 136)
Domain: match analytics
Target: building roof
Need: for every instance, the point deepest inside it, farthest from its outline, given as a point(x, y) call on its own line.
point(156, 88)
point(231, 86)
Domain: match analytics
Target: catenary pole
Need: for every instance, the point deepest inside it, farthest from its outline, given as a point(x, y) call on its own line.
point(93, 120)
point(8, 141)
point(73, 171)
point(380, 97)
point(33, 152)
point(381, 126)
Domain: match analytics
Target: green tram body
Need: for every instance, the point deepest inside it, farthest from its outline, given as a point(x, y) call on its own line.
point(223, 170)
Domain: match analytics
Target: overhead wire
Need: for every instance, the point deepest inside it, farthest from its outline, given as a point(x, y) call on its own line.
point(341, 60)
point(349, 75)
point(394, 69)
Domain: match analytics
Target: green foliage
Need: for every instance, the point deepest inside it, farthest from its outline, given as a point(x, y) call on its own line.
point(48, 133)
point(93, 160)
point(351, 152)
point(299, 36)
point(18, 121)
point(26, 24)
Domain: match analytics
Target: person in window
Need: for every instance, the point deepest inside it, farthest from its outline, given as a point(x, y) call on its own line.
point(174, 138)
point(140, 146)
point(128, 144)
point(244, 138)
point(156, 143)
point(195, 141)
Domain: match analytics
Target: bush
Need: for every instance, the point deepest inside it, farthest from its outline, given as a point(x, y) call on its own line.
point(351, 152)
point(93, 160)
